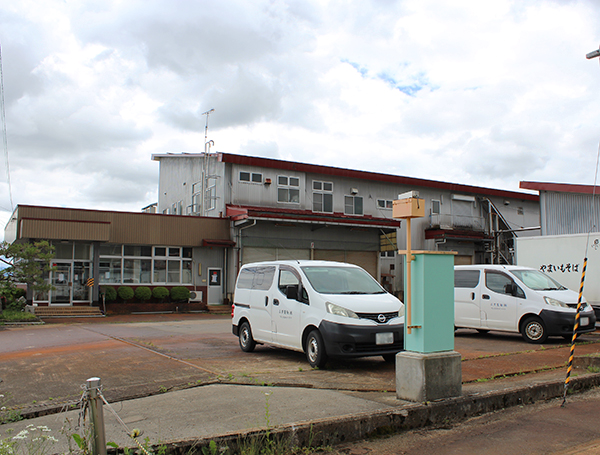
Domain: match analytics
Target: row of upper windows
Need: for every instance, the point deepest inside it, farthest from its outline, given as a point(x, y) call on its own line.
point(288, 191)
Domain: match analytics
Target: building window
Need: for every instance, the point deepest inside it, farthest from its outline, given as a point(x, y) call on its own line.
point(110, 270)
point(137, 271)
point(435, 207)
point(196, 207)
point(252, 177)
point(322, 196)
point(385, 204)
point(353, 205)
point(288, 189)
point(211, 193)
point(144, 264)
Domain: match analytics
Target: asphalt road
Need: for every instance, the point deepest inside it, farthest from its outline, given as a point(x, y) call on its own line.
point(541, 428)
point(45, 366)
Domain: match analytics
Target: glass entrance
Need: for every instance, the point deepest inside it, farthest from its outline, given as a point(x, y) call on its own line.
point(61, 282)
point(81, 273)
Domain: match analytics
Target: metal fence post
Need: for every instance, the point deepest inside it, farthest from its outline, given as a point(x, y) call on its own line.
point(97, 416)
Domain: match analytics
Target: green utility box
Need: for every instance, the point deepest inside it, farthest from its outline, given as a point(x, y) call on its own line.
point(432, 308)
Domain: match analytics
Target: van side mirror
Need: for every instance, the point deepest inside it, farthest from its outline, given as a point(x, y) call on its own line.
point(291, 292)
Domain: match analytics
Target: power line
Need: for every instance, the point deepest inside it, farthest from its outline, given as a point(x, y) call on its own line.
point(4, 138)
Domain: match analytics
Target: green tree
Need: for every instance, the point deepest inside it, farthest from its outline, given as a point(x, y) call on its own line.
point(27, 263)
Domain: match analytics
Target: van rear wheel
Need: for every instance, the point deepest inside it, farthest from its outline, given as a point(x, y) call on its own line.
point(247, 343)
point(389, 358)
point(534, 330)
point(315, 350)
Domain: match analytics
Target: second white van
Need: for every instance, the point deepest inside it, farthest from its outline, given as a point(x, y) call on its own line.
point(325, 309)
point(517, 299)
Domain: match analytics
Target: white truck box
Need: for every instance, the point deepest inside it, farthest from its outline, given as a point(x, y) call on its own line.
point(561, 257)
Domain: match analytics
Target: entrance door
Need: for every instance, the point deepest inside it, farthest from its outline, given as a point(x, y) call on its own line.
point(215, 289)
point(61, 282)
point(81, 273)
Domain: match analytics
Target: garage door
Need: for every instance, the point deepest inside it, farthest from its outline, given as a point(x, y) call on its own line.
point(254, 254)
point(368, 260)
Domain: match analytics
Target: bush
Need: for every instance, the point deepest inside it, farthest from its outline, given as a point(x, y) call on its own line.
point(125, 293)
point(180, 294)
point(110, 293)
point(160, 293)
point(143, 293)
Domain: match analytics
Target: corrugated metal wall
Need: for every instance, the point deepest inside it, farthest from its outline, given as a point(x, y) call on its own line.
point(569, 213)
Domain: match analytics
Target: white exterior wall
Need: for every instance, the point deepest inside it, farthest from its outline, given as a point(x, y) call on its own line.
point(178, 175)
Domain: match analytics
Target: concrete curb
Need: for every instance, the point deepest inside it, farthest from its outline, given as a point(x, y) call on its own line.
point(441, 413)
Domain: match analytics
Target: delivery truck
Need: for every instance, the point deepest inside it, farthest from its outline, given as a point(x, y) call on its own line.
point(562, 258)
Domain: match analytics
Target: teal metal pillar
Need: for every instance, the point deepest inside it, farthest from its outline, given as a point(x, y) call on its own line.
point(432, 286)
point(429, 368)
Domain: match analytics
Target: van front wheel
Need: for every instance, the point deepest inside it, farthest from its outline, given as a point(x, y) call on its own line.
point(534, 330)
point(315, 350)
point(247, 343)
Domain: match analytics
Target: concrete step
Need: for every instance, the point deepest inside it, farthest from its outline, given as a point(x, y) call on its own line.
point(67, 311)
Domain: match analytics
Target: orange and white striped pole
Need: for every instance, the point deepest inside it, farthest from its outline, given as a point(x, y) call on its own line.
point(575, 328)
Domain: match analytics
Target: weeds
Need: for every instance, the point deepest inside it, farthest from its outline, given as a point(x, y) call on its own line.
point(8, 415)
point(30, 441)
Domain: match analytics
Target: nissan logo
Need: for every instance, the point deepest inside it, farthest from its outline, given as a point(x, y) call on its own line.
point(381, 318)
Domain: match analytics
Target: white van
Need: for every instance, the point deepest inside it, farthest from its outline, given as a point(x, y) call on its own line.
point(326, 309)
point(517, 299)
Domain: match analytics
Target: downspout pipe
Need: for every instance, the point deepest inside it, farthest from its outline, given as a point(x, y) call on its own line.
point(240, 247)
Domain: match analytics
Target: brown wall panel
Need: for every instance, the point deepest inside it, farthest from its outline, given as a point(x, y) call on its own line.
point(119, 227)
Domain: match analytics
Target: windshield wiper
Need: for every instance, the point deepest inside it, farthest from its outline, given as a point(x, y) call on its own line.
point(353, 292)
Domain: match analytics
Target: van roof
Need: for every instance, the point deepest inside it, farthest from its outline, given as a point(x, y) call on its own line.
point(491, 267)
point(301, 263)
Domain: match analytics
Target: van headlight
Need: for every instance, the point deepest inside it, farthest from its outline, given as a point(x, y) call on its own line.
point(554, 302)
point(340, 311)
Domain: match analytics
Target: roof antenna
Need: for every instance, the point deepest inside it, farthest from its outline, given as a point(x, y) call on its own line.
point(205, 165)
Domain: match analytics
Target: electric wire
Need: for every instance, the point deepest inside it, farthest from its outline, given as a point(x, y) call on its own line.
point(4, 138)
point(581, 285)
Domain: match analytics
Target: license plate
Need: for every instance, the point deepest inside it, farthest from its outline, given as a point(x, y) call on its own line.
point(584, 321)
point(384, 338)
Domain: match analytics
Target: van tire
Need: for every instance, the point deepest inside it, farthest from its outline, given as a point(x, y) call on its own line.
point(247, 343)
point(315, 350)
point(389, 358)
point(483, 331)
point(534, 331)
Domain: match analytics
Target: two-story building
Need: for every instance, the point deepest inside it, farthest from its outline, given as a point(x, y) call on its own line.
point(291, 210)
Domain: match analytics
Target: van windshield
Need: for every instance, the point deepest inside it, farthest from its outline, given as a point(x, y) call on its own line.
point(341, 280)
point(537, 280)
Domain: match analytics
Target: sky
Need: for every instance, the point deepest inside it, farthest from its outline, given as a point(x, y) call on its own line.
point(485, 93)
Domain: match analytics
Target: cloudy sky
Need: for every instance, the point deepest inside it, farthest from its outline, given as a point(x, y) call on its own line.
point(477, 92)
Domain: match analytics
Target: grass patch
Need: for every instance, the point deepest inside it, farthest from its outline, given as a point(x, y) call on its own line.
point(17, 316)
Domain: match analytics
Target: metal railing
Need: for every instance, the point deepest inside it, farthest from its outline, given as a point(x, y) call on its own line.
point(443, 221)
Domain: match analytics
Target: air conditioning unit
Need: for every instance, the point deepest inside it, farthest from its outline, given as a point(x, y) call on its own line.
point(195, 296)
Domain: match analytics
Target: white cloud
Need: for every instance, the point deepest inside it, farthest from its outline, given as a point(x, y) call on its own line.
point(482, 93)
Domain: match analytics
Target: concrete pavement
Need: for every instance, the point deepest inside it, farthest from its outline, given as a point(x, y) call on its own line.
point(328, 407)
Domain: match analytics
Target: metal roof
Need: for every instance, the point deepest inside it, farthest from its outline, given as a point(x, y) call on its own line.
point(350, 173)
point(559, 187)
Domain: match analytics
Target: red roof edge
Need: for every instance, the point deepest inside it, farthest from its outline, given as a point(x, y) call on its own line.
point(367, 175)
point(559, 187)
